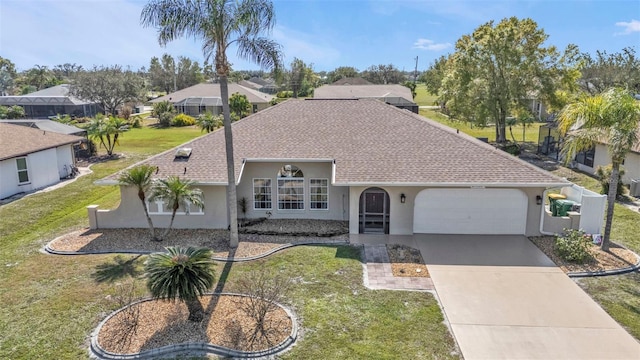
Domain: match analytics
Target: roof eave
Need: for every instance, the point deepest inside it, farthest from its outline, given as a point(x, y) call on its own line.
point(458, 185)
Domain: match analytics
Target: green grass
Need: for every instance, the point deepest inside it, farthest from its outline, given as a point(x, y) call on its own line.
point(531, 131)
point(50, 304)
point(618, 295)
point(423, 97)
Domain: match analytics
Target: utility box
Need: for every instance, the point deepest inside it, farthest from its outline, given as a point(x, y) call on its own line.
point(634, 188)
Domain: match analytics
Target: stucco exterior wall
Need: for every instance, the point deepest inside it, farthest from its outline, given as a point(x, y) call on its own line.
point(130, 214)
point(602, 158)
point(65, 159)
point(338, 208)
point(42, 167)
point(401, 215)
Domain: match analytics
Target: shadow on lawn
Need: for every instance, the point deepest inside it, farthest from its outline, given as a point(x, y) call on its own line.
point(119, 268)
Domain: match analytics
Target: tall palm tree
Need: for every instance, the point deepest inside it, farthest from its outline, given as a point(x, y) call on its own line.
point(612, 118)
point(183, 274)
point(176, 192)
point(140, 177)
point(219, 24)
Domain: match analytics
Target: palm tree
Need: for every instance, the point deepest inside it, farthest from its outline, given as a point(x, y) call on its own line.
point(209, 122)
point(176, 192)
point(613, 118)
point(107, 131)
point(219, 24)
point(182, 274)
point(140, 177)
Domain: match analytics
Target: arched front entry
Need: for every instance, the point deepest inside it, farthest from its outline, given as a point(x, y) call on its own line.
point(374, 211)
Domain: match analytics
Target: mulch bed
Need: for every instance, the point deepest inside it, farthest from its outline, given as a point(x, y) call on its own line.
point(406, 261)
point(161, 323)
point(618, 257)
point(114, 240)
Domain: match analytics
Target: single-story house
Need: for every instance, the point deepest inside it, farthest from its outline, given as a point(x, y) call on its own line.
point(383, 169)
point(48, 125)
point(352, 81)
point(397, 95)
point(200, 98)
point(52, 101)
point(588, 161)
point(263, 85)
point(32, 158)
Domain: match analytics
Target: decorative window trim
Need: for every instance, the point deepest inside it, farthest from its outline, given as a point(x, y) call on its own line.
point(267, 194)
point(313, 186)
point(282, 203)
point(160, 209)
point(24, 170)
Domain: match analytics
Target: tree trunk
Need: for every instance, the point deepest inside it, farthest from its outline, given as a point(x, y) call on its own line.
point(173, 216)
point(196, 311)
point(231, 174)
point(611, 201)
point(146, 213)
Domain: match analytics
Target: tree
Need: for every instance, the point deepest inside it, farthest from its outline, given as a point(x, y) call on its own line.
point(412, 86)
point(164, 111)
point(7, 76)
point(610, 70)
point(107, 131)
point(432, 78)
point(109, 86)
point(140, 177)
point(189, 73)
point(12, 112)
point(65, 72)
point(341, 72)
point(176, 192)
point(40, 77)
point(220, 23)
point(209, 122)
point(239, 105)
point(613, 118)
point(183, 274)
point(301, 78)
point(496, 69)
point(383, 74)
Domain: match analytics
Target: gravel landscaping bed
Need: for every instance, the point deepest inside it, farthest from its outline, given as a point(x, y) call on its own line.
point(406, 261)
point(139, 240)
point(617, 257)
point(296, 227)
point(162, 323)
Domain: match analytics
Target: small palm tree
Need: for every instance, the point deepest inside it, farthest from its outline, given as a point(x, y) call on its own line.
point(176, 192)
point(612, 118)
point(181, 274)
point(140, 177)
point(209, 122)
point(107, 131)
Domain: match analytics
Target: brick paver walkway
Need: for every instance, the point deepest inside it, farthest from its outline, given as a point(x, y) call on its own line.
point(378, 273)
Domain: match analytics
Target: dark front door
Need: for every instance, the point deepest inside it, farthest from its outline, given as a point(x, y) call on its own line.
point(374, 211)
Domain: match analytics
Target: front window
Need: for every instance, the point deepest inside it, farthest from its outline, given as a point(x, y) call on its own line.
point(261, 194)
point(290, 188)
point(319, 192)
point(586, 157)
point(23, 172)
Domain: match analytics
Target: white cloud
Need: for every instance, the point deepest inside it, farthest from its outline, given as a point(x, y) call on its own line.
point(629, 27)
point(426, 44)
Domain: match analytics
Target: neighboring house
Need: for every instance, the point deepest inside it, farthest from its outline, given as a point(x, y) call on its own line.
point(588, 161)
point(263, 85)
point(48, 125)
point(32, 158)
point(51, 102)
point(352, 81)
point(396, 95)
point(200, 98)
point(382, 169)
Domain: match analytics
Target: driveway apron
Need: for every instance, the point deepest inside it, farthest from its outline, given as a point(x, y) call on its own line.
point(505, 299)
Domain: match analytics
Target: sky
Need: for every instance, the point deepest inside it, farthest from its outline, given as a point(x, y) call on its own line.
point(325, 33)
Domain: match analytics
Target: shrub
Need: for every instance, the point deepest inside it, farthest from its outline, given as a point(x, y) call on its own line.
point(284, 94)
point(164, 111)
point(573, 246)
point(604, 174)
point(183, 120)
point(136, 121)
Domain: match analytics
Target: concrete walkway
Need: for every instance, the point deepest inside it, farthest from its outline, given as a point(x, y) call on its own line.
point(506, 300)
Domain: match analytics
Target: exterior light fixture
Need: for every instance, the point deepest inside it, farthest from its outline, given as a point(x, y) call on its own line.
point(403, 198)
point(538, 199)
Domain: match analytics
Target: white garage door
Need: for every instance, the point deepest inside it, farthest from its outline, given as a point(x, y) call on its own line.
point(470, 211)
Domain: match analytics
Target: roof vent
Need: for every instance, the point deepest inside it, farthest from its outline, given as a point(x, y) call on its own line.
point(183, 154)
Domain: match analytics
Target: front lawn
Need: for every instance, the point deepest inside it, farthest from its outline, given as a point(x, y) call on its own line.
point(50, 304)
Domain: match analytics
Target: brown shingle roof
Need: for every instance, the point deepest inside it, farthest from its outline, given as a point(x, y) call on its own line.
point(213, 90)
point(17, 140)
point(371, 143)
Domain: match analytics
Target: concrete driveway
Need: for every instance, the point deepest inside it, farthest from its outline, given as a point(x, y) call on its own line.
point(505, 299)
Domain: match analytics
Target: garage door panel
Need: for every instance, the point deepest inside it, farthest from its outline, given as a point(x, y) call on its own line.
point(470, 211)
